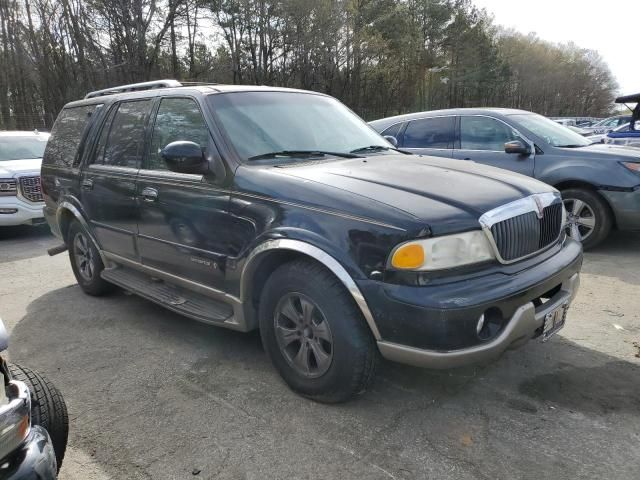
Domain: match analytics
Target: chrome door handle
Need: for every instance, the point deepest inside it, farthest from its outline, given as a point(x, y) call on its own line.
point(149, 194)
point(87, 184)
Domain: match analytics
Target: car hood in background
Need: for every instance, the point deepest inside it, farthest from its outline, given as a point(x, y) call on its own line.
point(448, 195)
point(9, 168)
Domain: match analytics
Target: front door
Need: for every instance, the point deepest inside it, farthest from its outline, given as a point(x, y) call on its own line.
point(482, 140)
point(108, 183)
point(182, 216)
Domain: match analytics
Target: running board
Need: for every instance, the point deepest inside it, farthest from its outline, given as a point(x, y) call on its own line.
point(173, 297)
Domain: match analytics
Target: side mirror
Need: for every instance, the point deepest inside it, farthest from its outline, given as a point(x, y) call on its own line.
point(392, 140)
point(517, 147)
point(184, 157)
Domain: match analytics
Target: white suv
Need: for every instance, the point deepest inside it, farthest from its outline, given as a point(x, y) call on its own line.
point(20, 189)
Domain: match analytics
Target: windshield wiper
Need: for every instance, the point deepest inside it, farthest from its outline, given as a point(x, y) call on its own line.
point(301, 153)
point(378, 148)
point(571, 146)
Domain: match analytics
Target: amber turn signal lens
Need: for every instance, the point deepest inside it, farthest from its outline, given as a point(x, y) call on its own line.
point(408, 256)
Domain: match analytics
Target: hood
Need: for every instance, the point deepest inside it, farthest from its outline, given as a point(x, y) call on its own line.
point(446, 195)
point(11, 168)
point(604, 152)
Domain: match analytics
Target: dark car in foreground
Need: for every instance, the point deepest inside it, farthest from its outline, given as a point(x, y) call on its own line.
point(600, 184)
point(252, 207)
point(33, 422)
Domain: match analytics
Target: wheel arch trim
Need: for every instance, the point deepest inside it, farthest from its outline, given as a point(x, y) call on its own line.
point(75, 211)
point(317, 254)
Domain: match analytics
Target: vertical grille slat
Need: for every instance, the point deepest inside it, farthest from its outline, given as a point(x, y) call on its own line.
point(31, 189)
point(525, 234)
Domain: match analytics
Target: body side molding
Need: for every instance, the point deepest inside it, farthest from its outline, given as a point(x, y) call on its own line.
point(321, 256)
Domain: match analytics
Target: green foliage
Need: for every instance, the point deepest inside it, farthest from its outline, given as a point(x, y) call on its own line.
point(381, 57)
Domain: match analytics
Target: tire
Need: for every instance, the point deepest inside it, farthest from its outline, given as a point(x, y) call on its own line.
point(332, 314)
point(48, 408)
point(81, 248)
point(586, 208)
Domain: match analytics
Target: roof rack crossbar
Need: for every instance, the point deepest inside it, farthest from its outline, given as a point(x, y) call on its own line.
point(133, 87)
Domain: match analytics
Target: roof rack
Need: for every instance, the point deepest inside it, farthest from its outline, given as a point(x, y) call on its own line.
point(134, 87)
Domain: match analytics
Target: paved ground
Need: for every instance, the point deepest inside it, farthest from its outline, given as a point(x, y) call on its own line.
point(154, 395)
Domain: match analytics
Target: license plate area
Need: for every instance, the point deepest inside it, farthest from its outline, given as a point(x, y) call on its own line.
point(554, 321)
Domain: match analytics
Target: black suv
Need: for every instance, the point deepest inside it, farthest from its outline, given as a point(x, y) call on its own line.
point(253, 207)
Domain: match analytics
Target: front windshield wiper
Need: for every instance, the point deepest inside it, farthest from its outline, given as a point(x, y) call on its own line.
point(572, 146)
point(300, 153)
point(377, 148)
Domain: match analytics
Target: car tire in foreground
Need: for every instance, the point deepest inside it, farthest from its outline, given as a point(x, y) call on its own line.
point(48, 408)
point(86, 262)
point(314, 333)
point(589, 219)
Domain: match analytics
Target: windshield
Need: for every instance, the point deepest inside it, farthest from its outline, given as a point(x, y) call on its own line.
point(261, 123)
point(21, 147)
point(550, 131)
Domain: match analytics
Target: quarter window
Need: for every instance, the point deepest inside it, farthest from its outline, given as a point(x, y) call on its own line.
point(436, 132)
point(66, 135)
point(178, 119)
point(484, 133)
point(121, 143)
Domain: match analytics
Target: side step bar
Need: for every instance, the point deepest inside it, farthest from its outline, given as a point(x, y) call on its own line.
point(173, 297)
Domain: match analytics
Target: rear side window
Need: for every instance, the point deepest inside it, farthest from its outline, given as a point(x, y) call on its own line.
point(437, 132)
point(67, 135)
point(121, 141)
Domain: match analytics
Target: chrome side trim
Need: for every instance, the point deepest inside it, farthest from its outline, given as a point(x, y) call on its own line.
point(76, 213)
point(521, 327)
point(317, 254)
point(533, 203)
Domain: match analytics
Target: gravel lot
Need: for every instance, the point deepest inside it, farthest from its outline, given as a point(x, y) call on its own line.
point(153, 395)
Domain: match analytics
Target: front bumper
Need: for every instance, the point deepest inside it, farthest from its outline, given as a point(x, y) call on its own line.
point(434, 326)
point(33, 460)
point(26, 213)
point(625, 206)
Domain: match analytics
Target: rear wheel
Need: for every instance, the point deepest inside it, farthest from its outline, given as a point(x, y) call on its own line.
point(86, 262)
point(589, 219)
point(314, 333)
point(48, 408)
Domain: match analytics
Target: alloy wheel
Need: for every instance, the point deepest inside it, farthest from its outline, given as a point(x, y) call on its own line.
point(303, 335)
point(581, 220)
point(84, 256)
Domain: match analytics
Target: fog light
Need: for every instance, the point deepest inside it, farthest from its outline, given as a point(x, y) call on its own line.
point(480, 324)
point(8, 211)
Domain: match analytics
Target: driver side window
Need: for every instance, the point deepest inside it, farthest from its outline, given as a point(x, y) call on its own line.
point(485, 133)
point(178, 119)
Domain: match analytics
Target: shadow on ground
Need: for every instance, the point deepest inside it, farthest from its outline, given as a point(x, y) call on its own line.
point(154, 395)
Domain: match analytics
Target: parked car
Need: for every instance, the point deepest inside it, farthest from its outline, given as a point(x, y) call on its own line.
point(602, 137)
point(578, 130)
point(629, 135)
point(608, 124)
point(600, 185)
point(34, 424)
point(566, 122)
point(253, 207)
point(20, 191)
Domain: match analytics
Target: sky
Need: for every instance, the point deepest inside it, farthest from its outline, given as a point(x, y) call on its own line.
point(610, 27)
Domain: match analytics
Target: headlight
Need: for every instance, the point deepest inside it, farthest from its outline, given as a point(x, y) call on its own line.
point(443, 252)
point(8, 187)
point(633, 166)
point(15, 421)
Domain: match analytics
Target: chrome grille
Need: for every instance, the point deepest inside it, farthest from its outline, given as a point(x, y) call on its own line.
point(524, 227)
point(31, 189)
point(525, 234)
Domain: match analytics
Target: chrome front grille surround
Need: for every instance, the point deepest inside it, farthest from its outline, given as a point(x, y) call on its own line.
point(525, 227)
point(31, 189)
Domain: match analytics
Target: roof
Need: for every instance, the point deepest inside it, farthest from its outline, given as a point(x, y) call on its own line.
point(635, 98)
point(383, 122)
point(199, 89)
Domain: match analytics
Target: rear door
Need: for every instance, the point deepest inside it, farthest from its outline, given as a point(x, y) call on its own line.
point(108, 183)
point(430, 136)
point(183, 217)
point(482, 140)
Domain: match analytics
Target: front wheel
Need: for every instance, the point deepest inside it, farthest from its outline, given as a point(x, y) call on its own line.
point(48, 408)
point(314, 333)
point(589, 219)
